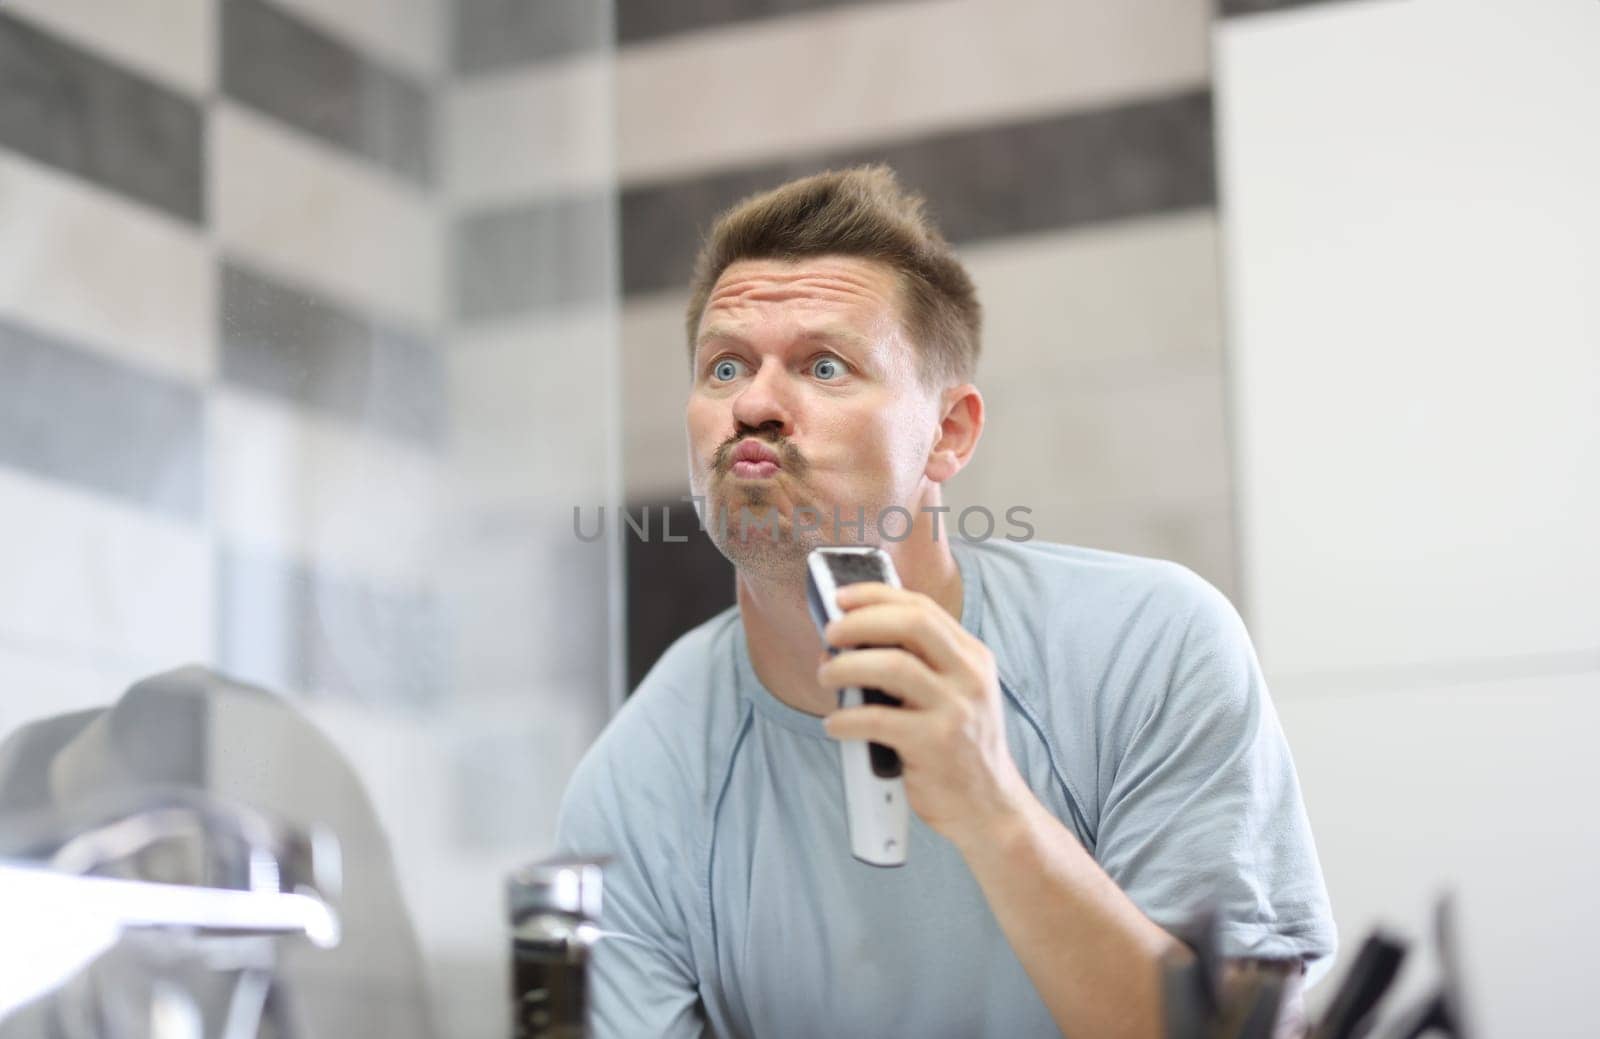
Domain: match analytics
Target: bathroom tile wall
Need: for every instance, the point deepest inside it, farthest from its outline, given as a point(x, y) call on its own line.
point(278, 395)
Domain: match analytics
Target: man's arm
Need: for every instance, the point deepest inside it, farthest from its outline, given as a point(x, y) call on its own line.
point(1092, 954)
point(1074, 929)
point(1204, 794)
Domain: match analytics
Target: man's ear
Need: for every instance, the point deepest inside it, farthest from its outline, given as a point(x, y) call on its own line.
point(960, 426)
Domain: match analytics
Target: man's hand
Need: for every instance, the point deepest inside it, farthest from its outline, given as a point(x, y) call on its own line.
point(950, 731)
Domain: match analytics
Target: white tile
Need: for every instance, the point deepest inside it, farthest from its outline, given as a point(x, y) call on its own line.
point(173, 41)
point(533, 405)
point(1481, 788)
point(38, 685)
point(797, 85)
point(313, 216)
point(1085, 443)
point(533, 132)
point(655, 392)
point(111, 276)
point(312, 491)
point(656, 459)
point(407, 34)
point(119, 590)
point(529, 602)
point(1137, 297)
point(1415, 338)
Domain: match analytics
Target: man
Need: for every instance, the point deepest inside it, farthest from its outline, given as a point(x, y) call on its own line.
point(1087, 744)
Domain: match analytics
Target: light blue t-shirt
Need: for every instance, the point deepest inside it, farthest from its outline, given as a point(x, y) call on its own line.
point(1136, 711)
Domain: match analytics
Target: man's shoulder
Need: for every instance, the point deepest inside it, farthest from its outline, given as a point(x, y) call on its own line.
point(1046, 582)
point(1079, 629)
point(678, 723)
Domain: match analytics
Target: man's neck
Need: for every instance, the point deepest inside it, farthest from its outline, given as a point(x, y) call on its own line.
point(785, 648)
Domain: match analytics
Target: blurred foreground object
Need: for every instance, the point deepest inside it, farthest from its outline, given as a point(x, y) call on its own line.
point(211, 796)
point(1443, 1012)
point(553, 908)
point(1197, 1004)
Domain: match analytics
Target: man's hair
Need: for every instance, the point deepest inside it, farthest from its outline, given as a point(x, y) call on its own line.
point(861, 212)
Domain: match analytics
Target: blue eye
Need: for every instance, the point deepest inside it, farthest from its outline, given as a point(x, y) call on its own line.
point(725, 369)
point(826, 368)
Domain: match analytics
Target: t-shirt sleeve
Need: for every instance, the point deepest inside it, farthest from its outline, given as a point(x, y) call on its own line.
point(641, 978)
point(1204, 807)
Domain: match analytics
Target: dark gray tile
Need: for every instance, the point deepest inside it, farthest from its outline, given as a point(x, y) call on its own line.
point(1232, 7)
point(74, 110)
point(639, 20)
point(671, 585)
point(293, 72)
point(491, 35)
point(286, 626)
point(70, 415)
point(541, 254)
point(1063, 171)
point(299, 347)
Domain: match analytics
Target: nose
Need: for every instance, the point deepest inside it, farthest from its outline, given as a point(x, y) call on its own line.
point(764, 401)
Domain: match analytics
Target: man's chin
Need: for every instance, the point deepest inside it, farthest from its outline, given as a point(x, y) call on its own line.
point(765, 543)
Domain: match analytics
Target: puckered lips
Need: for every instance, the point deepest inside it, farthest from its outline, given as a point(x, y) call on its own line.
point(753, 460)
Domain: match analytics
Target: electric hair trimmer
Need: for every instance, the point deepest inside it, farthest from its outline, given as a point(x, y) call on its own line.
point(874, 793)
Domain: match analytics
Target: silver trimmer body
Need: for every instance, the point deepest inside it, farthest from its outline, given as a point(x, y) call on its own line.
point(874, 790)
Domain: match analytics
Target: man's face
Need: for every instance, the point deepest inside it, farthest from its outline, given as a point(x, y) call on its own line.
point(805, 362)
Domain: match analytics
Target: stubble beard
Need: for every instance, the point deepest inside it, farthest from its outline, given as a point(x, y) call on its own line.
point(749, 530)
point(762, 542)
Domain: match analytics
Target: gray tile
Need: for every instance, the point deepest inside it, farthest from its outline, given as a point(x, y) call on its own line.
point(495, 34)
point(74, 416)
point(290, 628)
point(1063, 171)
point(73, 110)
point(293, 72)
point(513, 260)
point(299, 347)
point(530, 598)
point(639, 20)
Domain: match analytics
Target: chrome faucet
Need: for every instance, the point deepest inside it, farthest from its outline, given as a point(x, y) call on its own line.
point(193, 891)
point(553, 910)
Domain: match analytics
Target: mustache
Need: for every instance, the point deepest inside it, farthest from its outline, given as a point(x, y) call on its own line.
point(790, 460)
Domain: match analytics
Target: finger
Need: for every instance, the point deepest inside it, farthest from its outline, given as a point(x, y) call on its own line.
point(889, 726)
point(861, 593)
point(893, 671)
point(911, 625)
point(869, 593)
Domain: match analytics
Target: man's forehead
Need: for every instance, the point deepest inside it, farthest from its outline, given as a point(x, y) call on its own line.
point(824, 278)
point(841, 297)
